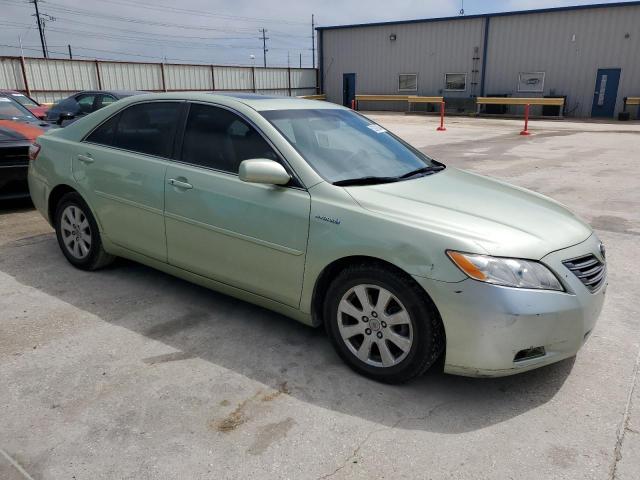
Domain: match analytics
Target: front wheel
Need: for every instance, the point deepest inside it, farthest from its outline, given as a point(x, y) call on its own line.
point(382, 324)
point(78, 234)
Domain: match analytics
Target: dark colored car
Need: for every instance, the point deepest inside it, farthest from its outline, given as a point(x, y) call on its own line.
point(18, 129)
point(37, 109)
point(82, 103)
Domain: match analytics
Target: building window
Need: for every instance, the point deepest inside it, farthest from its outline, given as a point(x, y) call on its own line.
point(456, 82)
point(531, 82)
point(408, 82)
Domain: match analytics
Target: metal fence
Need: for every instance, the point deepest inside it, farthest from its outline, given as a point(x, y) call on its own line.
point(48, 80)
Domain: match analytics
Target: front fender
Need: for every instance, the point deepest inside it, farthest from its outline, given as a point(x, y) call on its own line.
point(340, 228)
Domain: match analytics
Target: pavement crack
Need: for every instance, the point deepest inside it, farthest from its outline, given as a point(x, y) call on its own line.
point(360, 444)
point(624, 424)
point(15, 465)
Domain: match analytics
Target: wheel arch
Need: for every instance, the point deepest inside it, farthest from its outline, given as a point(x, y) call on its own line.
point(330, 271)
point(55, 196)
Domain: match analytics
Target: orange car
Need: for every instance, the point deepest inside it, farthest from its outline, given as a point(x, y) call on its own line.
point(18, 130)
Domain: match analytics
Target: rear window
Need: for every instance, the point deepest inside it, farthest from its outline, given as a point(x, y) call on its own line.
point(104, 134)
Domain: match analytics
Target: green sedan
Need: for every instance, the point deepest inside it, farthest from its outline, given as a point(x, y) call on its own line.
point(316, 212)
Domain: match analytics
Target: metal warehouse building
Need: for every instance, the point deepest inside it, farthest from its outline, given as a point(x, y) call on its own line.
point(588, 54)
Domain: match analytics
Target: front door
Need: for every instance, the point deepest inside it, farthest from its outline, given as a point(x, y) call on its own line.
point(251, 236)
point(348, 89)
point(606, 92)
point(120, 168)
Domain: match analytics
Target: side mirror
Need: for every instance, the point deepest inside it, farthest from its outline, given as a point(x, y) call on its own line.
point(262, 170)
point(65, 117)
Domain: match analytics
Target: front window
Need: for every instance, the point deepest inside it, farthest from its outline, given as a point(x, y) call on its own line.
point(86, 102)
point(217, 138)
point(346, 148)
point(13, 111)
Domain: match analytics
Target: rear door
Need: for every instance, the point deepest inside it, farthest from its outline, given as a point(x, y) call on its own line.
point(121, 168)
point(248, 235)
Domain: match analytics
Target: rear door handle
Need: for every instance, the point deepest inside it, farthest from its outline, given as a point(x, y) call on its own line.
point(179, 184)
point(86, 158)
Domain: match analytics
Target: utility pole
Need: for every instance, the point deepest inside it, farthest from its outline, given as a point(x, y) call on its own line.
point(70, 55)
point(300, 59)
point(41, 29)
point(313, 41)
point(288, 60)
point(264, 39)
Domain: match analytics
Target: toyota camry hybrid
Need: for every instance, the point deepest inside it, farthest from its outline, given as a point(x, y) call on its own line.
point(316, 212)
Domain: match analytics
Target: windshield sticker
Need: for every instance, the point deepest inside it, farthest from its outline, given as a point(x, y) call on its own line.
point(4, 99)
point(376, 128)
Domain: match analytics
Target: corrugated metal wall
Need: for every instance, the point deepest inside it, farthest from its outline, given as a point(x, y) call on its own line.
point(429, 50)
point(607, 37)
point(545, 42)
point(50, 80)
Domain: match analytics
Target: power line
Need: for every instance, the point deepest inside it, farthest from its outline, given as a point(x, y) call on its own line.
point(149, 6)
point(182, 41)
point(63, 53)
point(150, 41)
point(103, 16)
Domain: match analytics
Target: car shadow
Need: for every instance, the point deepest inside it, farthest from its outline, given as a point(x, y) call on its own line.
point(270, 348)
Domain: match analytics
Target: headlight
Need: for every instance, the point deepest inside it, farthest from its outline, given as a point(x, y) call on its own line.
point(508, 272)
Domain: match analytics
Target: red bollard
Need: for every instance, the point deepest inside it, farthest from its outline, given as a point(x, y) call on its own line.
point(526, 121)
point(441, 127)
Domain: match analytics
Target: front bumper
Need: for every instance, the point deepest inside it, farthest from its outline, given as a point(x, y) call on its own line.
point(487, 325)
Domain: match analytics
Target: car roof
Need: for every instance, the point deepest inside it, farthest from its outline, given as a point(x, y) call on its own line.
point(117, 93)
point(253, 100)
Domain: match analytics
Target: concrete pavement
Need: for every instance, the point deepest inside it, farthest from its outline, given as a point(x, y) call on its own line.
point(130, 373)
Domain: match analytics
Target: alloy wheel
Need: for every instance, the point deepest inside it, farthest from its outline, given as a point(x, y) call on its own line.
point(76, 232)
point(375, 326)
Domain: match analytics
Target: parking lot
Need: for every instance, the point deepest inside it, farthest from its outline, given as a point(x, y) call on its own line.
point(129, 373)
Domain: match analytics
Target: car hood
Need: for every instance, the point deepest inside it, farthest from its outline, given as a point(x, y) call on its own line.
point(39, 111)
point(501, 219)
point(12, 131)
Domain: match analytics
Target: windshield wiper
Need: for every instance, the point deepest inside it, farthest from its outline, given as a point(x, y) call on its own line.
point(430, 169)
point(365, 181)
point(375, 180)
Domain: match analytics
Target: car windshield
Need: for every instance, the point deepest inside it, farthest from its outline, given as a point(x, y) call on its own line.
point(13, 111)
point(346, 148)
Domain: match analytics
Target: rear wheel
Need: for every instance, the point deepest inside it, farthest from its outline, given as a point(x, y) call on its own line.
point(382, 324)
point(78, 234)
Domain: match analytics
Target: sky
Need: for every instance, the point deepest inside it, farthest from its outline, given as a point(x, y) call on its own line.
point(221, 32)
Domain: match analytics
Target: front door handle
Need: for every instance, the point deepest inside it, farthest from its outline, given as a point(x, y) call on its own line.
point(86, 158)
point(179, 184)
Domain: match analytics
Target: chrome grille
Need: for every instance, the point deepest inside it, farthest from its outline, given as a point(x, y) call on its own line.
point(591, 271)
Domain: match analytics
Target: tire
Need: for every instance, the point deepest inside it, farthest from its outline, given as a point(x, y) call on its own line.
point(78, 235)
point(403, 323)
